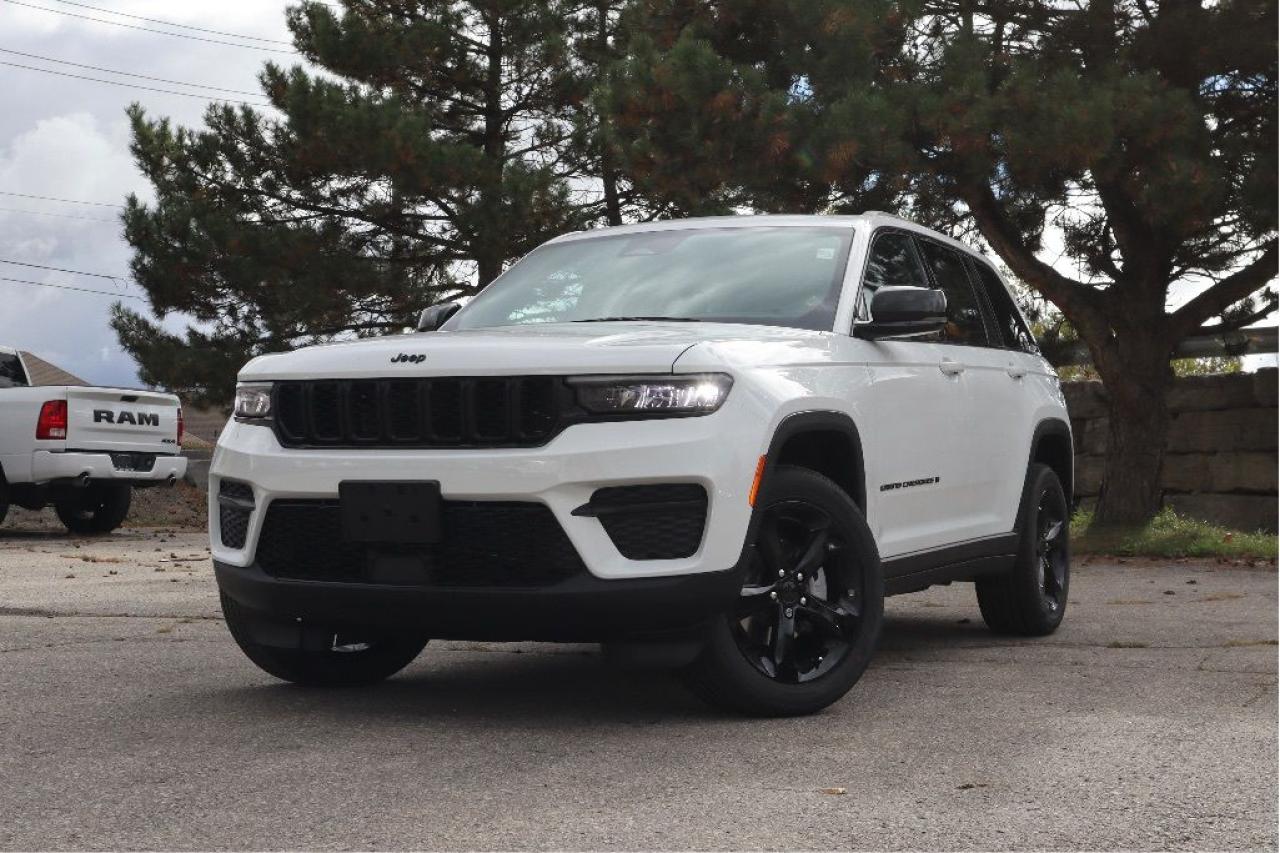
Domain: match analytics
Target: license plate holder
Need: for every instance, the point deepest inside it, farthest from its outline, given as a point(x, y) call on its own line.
point(403, 512)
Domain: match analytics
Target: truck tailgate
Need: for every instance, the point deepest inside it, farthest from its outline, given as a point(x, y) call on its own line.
point(123, 420)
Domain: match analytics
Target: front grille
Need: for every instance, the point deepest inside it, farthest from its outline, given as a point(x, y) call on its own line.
point(235, 506)
point(508, 411)
point(652, 522)
point(485, 544)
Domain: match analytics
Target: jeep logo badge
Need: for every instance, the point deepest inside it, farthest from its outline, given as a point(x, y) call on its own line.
point(405, 358)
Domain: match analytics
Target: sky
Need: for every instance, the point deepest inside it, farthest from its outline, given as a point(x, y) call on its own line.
point(68, 138)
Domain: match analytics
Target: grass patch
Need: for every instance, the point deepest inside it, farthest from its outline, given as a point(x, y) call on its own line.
point(1171, 535)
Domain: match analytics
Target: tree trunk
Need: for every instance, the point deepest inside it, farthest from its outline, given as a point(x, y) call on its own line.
point(612, 204)
point(1137, 386)
point(487, 269)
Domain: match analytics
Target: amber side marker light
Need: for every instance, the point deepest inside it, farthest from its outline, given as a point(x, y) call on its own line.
point(755, 482)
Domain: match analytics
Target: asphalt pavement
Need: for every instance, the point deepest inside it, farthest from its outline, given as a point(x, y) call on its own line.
point(128, 719)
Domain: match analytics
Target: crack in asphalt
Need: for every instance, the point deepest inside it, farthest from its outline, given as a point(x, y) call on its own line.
point(42, 613)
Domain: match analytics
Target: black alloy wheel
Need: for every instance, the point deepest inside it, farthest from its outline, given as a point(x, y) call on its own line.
point(1051, 553)
point(1031, 598)
point(801, 607)
point(807, 620)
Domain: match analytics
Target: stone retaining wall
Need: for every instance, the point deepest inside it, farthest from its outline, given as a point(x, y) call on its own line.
point(1221, 459)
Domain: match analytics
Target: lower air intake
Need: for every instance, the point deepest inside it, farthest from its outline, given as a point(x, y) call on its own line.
point(486, 544)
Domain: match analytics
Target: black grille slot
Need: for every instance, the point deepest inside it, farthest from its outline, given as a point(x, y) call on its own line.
point(326, 411)
point(404, 411)
point(235, 506)
point(486, 544)
point(508, 411)
point(362, 411)
point(444, 410)
point(492, 409)
point(653, 522)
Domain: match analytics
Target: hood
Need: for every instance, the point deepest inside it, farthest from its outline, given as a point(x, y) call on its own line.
point(553, 348)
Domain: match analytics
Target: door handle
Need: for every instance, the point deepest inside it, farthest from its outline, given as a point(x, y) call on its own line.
point(1015, 371)
point(951, 367)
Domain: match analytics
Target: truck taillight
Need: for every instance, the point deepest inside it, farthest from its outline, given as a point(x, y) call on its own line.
point(182, 426)
point(53, 421)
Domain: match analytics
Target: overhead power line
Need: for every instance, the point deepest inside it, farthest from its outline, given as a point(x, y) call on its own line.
point(127, 73)
point(69, 287)
point(149, 29)
point(123, 278)
point(63, 200)
point(56, 215)
point(130, 85)
point(172, 24)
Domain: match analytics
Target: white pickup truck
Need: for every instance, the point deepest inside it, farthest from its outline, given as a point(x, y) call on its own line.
point(83, 449)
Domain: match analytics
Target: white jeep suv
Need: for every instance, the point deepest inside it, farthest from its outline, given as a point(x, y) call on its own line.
point(714, 442)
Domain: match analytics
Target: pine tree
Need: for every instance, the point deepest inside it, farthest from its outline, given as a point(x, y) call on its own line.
point(1144, 130)
point(444, 140)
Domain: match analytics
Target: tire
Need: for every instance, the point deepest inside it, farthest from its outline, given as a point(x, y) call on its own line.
point(1031, 600)
point(749, 665)
point(4, 504)
point(96, 509)
point(343, 665)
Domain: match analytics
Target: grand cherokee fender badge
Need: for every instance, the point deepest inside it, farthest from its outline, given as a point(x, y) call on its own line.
point(906, 484)
point(405, 358)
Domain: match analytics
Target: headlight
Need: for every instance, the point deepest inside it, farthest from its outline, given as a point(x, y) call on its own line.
point(253, 399)
point(691, 394)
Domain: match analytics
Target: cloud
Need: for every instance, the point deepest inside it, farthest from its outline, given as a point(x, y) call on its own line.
point(69, 138)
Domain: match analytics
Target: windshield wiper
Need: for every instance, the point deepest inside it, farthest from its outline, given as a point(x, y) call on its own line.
point(638, 319)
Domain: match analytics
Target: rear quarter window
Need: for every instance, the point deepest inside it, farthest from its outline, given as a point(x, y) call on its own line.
point(1013, 330)
point(11, 373)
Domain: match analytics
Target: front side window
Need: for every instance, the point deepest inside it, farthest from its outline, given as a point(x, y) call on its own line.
point(964, 314)
point(893, 262)
point(11, 373)
point(768, 275)
point(1013, 329)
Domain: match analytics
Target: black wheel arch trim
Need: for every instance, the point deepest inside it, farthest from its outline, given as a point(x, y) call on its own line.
point(819, 420)
point(1059, 428)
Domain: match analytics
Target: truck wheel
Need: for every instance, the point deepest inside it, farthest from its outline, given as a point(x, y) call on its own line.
point(808, 616)
point(1032, 599)
point(349, 660)
point(97, 508)
point(4, 504)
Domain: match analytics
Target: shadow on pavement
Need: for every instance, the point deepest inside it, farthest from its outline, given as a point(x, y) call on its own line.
point(550, 687)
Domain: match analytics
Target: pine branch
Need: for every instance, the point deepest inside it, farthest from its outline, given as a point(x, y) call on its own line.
point(1221, 296)
point(1239, 323)
point(1077, 300)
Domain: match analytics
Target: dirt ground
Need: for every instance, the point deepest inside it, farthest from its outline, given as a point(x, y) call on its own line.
point(180, 506)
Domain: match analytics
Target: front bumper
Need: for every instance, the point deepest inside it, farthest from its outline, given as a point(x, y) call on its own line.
point(47, 466)
point(718, 451)
point(580, 609)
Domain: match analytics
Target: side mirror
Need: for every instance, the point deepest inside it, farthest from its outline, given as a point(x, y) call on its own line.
point(433, 318)
point(903, 311)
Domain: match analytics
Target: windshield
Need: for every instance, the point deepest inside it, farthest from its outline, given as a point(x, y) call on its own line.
point(772, 276)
